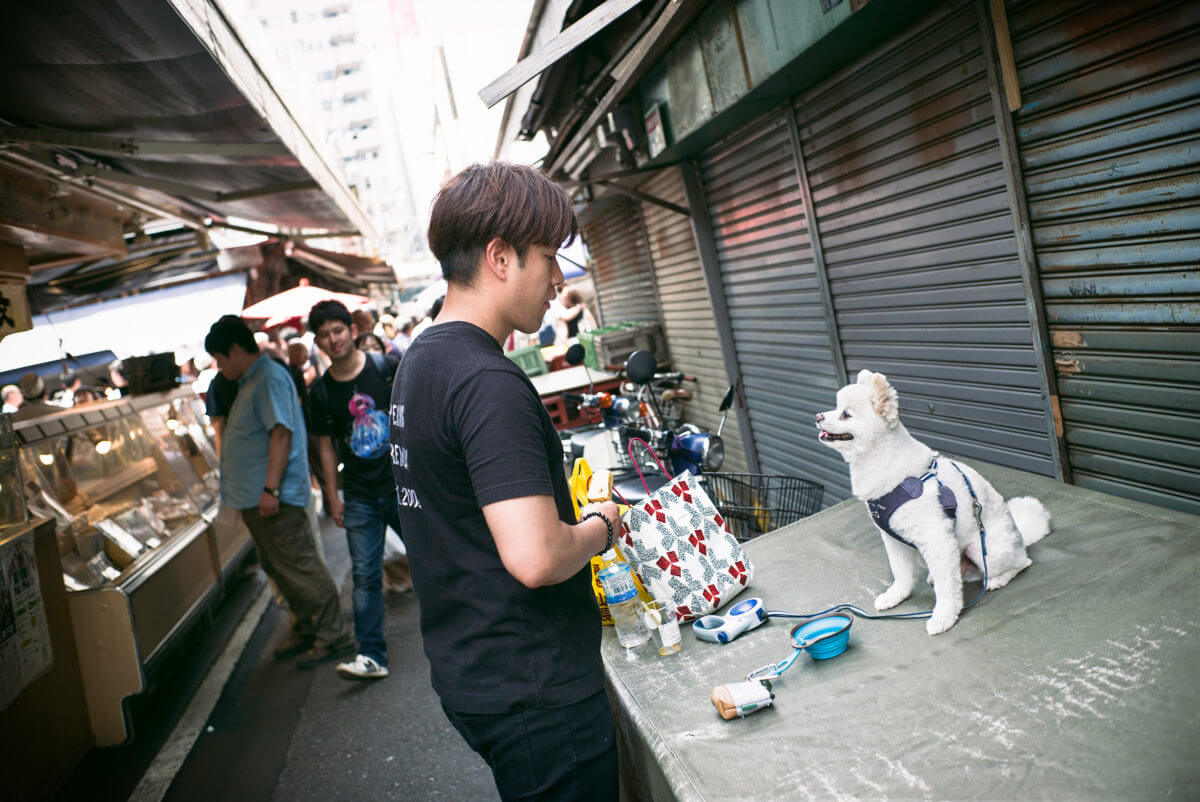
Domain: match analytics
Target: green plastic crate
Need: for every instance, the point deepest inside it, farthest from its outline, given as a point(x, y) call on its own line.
point(612, 345)
point(529, 359)
point(588, 340)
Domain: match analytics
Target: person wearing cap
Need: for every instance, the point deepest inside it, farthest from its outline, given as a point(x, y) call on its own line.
point(12, 398)
point(34, 390)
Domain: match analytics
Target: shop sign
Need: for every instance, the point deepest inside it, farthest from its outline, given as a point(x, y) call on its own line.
point(25, 652)
point(14, 308)
point(656, 134)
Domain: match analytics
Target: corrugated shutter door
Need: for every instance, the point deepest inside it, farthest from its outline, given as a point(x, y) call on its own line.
point(904, 163)
point(624, 284)
point(775, 307)
point(686, 311)
point(1109, 135)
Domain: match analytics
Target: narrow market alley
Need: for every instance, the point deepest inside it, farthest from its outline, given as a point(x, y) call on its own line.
point(279, 733)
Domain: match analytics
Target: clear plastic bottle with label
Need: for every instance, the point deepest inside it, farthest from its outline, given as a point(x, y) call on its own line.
point(620, 593)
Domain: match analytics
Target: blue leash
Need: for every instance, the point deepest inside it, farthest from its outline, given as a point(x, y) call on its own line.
point(772, 670)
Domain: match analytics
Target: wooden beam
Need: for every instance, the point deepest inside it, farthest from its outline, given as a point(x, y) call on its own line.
point(128, 146)
point(154, 204)
point(13, 263)
point(1008, 63)
point(41, 217)
point(554, 50)
point(635, 64)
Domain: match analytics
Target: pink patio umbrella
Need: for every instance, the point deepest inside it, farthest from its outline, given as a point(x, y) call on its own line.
point(294, 304)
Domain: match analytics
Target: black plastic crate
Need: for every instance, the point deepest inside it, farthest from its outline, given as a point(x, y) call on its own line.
point(755, 503)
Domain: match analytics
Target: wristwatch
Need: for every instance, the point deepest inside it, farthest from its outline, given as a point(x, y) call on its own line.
point(271, 491)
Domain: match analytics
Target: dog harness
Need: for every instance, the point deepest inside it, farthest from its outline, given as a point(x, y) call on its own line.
point(912, 487)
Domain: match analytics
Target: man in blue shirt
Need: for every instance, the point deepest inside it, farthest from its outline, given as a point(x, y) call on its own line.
point(264, 473)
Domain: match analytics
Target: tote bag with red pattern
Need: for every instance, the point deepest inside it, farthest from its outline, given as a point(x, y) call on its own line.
point(681, 548)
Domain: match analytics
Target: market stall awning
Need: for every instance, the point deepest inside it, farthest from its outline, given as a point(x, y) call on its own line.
point(159, 103)
point(342, 267)
point(168, 257)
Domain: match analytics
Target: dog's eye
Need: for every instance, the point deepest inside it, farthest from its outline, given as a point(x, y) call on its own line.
point(845, 414)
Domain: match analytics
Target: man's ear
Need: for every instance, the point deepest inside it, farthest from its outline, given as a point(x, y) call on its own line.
point(499, 258)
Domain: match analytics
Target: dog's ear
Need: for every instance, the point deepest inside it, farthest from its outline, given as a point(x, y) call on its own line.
point(884, 397)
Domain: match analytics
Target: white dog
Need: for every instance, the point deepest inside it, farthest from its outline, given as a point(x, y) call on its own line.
point(924, 501)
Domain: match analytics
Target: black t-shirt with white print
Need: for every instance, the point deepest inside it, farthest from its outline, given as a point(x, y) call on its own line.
point(354, 415)
point(467, 430)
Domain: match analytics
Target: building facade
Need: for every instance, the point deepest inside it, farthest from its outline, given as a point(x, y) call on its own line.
point(996, 204)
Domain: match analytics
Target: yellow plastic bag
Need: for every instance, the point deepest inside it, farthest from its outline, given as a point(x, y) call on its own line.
point(580, 477)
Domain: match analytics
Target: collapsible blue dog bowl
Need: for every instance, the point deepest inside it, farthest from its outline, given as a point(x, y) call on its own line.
point(823, 637)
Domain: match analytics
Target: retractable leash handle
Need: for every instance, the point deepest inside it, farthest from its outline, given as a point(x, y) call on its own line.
point(741, 617)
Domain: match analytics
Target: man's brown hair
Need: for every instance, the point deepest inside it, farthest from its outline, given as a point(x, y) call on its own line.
point(516, 203)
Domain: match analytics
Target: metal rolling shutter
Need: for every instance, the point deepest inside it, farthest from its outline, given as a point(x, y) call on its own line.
point(686, 312)
point(775, 306)
point(902, 154)
point(1109, 137)
point(624, 284)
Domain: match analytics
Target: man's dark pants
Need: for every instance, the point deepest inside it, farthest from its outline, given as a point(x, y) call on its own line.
point(563, 753)
point(288, 554)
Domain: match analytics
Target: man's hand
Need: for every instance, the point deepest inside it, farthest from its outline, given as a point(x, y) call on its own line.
point(268, 505)
point(337, 510)
point(609, 510)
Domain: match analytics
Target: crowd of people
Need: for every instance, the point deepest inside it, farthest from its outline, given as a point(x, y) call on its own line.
point(32, 396)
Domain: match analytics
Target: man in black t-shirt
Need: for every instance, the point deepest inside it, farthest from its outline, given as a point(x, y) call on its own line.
point(498, 561)
point(348, 406)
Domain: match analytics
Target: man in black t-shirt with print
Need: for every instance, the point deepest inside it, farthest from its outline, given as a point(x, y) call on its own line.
point(348, 406)
point(498, 561)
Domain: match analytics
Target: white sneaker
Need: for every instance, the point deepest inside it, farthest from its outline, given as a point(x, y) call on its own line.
point(362, 667)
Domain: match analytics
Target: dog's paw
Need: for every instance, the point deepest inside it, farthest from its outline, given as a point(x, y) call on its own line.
point(939, 622)
point(889, 599)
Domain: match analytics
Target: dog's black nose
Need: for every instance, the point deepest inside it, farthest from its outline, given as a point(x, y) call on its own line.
point(820, 417)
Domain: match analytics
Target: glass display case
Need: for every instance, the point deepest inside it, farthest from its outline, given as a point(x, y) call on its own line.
point(114, 490)
point(133, 488)
point(179, 430)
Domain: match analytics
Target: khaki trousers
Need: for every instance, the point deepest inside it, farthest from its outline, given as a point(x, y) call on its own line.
point(288, 553)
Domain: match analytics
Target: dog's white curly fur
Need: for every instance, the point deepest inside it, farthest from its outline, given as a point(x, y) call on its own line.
point(865, 429)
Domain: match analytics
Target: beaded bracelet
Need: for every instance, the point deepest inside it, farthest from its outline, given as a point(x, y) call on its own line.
point(608, 523)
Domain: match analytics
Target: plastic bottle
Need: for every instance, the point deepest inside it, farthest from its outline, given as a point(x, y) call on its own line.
point(621, 595)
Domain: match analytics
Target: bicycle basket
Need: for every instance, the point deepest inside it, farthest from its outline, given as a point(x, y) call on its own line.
point(754, 503)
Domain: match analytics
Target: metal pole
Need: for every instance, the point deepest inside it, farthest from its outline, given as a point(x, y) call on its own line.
point(1014, 180)
point(814, 237)
point(706, 247)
